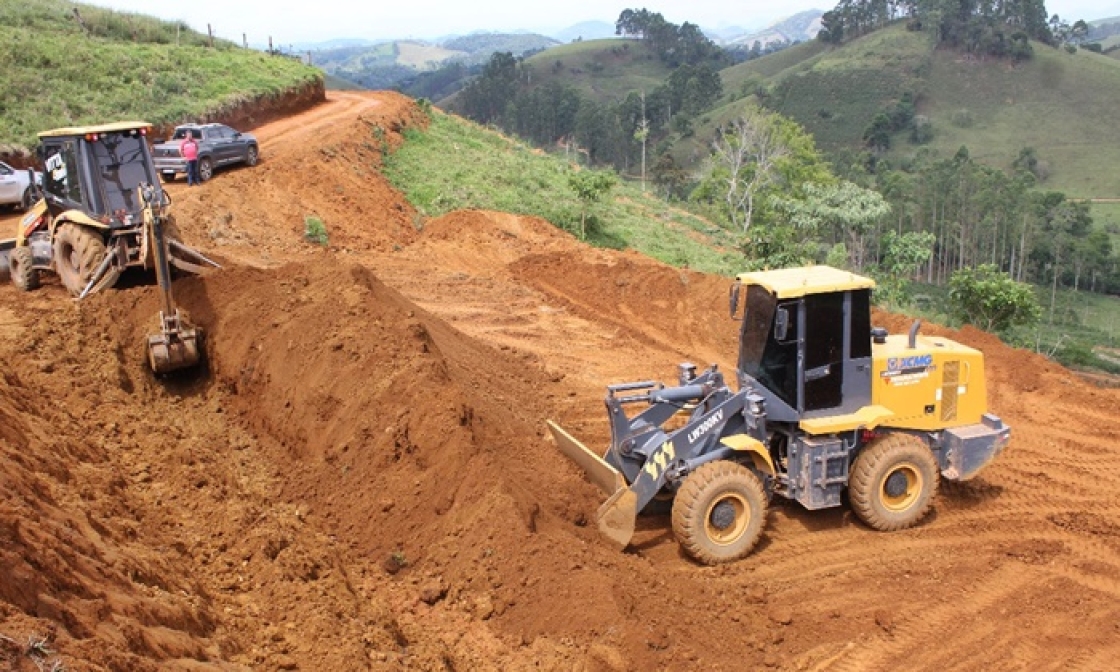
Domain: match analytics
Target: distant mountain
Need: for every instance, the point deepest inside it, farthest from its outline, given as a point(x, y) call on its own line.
point(387, 65)
point(800, 27)
point(586, 30)
point(726, 33)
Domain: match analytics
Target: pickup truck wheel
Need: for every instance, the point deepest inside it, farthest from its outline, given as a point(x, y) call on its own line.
point(24, 277)
point(78, 251)
point(252, 156)
point(27, 200)
point(893, 482)
point(205, 169)
point(719, 512)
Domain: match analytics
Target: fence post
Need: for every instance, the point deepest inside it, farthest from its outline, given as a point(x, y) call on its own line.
point(244, 41)
point(210, 32)
point(270, 51)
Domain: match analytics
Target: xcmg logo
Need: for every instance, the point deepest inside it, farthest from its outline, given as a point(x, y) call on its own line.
point(915, 362)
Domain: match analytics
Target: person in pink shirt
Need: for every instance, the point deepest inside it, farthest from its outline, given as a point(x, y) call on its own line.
point(189, 149)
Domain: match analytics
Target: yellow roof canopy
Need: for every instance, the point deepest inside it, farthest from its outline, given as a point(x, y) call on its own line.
point(115, 127)
point(794, 282)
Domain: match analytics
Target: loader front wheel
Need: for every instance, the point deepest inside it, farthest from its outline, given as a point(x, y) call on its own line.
point(24, 277)
point(893, 482)
point(78, 251)
point(719, 512)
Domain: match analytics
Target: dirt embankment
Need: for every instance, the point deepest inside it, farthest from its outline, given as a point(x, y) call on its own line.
point(362, 480)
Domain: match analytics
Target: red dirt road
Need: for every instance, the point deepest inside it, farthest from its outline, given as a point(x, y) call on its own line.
point(363, 480)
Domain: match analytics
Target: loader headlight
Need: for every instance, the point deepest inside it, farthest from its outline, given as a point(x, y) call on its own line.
point(756, 405)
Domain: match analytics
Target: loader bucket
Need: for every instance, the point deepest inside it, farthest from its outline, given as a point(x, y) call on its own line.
point(617, 516)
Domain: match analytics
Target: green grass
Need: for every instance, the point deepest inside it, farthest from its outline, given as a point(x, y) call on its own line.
point(127, 67)
point(832, 92)
point(1061, 104)
point(456, 164)
point(602, 70)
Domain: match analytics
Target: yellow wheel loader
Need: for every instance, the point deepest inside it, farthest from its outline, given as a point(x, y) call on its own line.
point(100, 212)
point(825, 404)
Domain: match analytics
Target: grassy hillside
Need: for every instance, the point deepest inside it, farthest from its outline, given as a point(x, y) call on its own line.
point(120, 65)
point(603, 70)
point(833, 92)
point(1062, 104)
point(490, 171)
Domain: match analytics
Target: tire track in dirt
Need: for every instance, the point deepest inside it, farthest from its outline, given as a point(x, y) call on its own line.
point(908, 638)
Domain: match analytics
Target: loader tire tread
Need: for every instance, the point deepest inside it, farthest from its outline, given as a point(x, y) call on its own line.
point(908, 460)
point(696, 522)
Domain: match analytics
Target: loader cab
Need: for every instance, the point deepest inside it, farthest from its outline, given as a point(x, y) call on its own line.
point(96, 170)
point(805, 340)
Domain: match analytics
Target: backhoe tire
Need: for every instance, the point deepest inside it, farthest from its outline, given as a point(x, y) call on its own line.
point(893, 482)
point(78, 251)
point(24, 277)
point(719, 512)
point(205, 169)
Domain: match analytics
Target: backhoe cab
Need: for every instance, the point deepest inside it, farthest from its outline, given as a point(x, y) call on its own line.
point(101, 210)
point(825, 403)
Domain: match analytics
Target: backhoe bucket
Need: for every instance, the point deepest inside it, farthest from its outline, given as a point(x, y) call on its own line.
point(618, 515)
point(175, 347)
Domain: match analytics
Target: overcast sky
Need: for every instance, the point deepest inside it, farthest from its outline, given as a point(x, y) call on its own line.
point(291, 21)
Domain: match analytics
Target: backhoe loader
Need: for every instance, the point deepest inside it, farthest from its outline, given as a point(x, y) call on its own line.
point(101, 211)
point(825, 404)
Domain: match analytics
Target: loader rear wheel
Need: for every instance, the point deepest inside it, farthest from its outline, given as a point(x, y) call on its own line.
point(24, 277)
point(893, 482)
point(719, 512)
point(78, 251)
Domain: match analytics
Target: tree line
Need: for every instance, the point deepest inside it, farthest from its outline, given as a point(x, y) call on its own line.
point(990, 27)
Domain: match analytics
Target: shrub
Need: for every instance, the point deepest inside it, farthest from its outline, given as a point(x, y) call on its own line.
point(314, 231)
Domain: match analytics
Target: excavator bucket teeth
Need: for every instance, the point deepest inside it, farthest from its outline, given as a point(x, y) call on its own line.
point(598, 471)
point(170, 353)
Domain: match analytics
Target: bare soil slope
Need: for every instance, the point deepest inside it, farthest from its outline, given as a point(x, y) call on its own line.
point(363, 480)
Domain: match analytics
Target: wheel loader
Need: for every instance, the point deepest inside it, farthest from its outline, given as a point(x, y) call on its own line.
point(101, 211)
point(826, 406)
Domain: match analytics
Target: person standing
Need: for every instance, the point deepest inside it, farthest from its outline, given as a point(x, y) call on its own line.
point(189, 149)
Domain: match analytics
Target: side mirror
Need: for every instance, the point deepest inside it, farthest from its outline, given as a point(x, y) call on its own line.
point(237, 135)
point(733, 298)
point(781, 324)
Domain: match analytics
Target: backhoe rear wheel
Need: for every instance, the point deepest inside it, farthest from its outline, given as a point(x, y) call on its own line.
point(78, 251)
point(24, 277)
point(893, 482)
point(719, 512)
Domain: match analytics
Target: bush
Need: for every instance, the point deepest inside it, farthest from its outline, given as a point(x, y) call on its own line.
point(991, 300)
point(314, 231)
